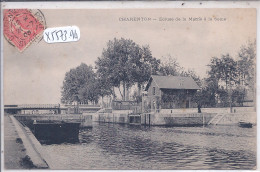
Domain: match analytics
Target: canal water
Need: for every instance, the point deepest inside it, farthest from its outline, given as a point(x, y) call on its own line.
point(115, 146)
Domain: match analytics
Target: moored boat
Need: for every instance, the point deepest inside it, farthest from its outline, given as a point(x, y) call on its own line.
point(56, 132)
point(244, 124)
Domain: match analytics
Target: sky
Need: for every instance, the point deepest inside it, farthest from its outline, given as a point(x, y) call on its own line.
point(35, 75)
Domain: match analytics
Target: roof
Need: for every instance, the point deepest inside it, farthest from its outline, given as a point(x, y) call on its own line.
point(173, 82)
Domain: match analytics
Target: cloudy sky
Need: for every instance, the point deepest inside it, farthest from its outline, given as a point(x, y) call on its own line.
point(36, 74)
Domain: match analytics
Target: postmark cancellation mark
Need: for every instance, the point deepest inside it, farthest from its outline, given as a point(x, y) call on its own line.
point(21, 27)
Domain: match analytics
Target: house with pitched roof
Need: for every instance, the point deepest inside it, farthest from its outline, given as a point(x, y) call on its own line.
point(170, 92)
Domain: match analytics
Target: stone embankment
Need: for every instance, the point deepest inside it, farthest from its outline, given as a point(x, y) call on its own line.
point(14, 152)
point(174, 119)
point(32, 149)
point(182, 117)
point(235, 118)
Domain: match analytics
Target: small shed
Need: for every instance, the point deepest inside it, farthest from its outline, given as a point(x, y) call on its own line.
point(170, 92)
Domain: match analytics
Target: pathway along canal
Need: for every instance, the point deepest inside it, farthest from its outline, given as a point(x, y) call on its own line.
point(115, 146)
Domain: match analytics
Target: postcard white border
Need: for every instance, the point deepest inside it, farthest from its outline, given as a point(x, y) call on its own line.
point(133, 5)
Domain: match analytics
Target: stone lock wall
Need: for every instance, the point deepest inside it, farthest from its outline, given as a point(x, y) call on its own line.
point(192, 119)
point(112, 118)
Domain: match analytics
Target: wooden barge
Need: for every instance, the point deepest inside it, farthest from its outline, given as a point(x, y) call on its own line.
point(56, 132)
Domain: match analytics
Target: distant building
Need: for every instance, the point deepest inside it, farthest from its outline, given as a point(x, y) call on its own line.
point(170, 92)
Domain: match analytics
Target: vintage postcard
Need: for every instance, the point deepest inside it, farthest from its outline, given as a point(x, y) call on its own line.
point(129, 89)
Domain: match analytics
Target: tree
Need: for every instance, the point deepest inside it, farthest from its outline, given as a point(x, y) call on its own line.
point(136, 97)
point(235, 76)
point(224, 96)
point(143, 66)
point(76, 83)
point(215, 71)
point(238, 95)
point(191, 73)
point(105, 88)
point(89, 92)
point(113, 64)
point(170, 67)
point(199, 98)
point(223, 72)
point(210, 92)
point(228, 70)
point(124, 63)
point(223, 69)
point(246, 65)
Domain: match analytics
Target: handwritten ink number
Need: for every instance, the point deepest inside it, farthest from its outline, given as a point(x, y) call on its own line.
point(61, 35)
point(48, 36)
point(74, 34)
point(65, 35)
point(57, 34)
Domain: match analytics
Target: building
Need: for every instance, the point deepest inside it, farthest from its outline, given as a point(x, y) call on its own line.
point(169, 92)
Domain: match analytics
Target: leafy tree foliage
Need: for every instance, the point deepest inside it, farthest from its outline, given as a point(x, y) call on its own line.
point(238, 95)
point(170, 67)
point(191, 73)
point(223, 69)
point(89, 92)
point(125, 63)
point(136, 97)
point(228, 78)
point(79, 85)
point(209, 92)
point(246, 64)
point(105, 88)
point(143, 66)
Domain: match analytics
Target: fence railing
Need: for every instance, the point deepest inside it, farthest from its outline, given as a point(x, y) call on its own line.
point(38, 106)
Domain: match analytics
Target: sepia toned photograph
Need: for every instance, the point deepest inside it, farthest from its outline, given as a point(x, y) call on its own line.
point(130, 89)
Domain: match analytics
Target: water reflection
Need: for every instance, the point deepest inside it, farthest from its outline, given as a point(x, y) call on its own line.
point(113, 146)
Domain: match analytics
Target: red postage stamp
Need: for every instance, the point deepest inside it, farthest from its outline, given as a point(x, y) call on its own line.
point(21, 27)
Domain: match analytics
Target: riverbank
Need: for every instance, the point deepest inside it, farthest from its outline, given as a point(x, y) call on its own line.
point(22, 149)
point(14, 150)
point(180, 117)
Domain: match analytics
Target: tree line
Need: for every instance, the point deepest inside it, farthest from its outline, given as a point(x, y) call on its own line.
point(229, 80)
point(123, 64)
